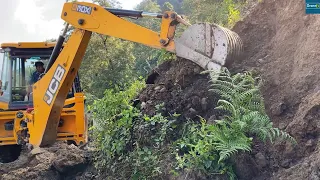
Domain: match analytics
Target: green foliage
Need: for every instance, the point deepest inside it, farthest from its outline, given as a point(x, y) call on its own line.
point(167, 7)
point(241, 98)
point(224, 12)
point(207, 147)
point(112, 116)
point(148, 5)
point(176, 5)
point(107, 3)
point(165, 56)
point(107, 64)
point(233, 12)
point(129, 143)
point(147, 58)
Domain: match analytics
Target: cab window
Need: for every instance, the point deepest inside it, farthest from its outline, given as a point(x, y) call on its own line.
point(19, 89)
point(4, 76)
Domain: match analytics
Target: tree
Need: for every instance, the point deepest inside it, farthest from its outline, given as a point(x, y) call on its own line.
point(108, 62)
point(108, 3)
point(146, 57)
point(177, 4)
point(222, 12)
point(167, 7)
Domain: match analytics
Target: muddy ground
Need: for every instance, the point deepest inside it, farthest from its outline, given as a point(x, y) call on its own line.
point(60, 161)
point(282, 45)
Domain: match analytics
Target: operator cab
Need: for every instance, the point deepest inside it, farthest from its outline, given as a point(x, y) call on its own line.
point(17, 63)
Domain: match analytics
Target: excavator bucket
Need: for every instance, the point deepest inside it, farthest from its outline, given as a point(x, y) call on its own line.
point(209, 45)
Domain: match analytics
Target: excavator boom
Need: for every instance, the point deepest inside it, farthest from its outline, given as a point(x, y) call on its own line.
point(208, 45)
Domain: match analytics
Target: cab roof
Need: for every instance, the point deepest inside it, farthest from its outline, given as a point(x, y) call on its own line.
point(28, 49)
point(29, 45)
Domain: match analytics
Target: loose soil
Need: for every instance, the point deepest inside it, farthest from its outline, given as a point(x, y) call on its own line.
point(182, 88)
point(60, 161)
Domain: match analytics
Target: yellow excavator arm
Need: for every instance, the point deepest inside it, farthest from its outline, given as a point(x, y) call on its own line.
point(210, 46)
point(95, 18)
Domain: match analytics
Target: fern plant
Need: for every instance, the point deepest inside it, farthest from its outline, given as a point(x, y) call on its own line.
point(244, 104)
point(207, 147)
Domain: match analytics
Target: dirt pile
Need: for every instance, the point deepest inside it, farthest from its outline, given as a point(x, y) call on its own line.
point(180, 86)
point(60, 161)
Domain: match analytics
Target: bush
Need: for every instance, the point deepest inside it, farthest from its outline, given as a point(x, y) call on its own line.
point(129, 143)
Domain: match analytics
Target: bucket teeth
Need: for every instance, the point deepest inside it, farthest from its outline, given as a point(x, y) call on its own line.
point(209, 45)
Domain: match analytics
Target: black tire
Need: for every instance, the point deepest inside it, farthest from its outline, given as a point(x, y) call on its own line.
point(9, 153)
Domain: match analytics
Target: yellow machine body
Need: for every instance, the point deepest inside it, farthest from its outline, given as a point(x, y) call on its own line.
point(15, 109)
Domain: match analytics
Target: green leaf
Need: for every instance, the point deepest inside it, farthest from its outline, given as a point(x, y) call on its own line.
point(208, 164)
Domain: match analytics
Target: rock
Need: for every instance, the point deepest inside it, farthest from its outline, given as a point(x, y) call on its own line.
point(29, 146)
point(195, 101)
point(282, 126)
point(163, 89)
point(212, 119)
point(278, 109)
point(36, 151)
point(157, 88)
point(307, 168)
point(191, 113)
point(204, 104)
point(89, 175)
point(260, 160)
point(290, 115)
point(191, 110)
point(285, 163)
point(310, 143)
point(196, 70)
point(245, 167)
point(143, 105)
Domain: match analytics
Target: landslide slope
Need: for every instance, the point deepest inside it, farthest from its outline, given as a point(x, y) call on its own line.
point(282, 45)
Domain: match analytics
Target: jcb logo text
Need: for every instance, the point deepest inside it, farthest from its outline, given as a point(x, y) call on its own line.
point(54, 84)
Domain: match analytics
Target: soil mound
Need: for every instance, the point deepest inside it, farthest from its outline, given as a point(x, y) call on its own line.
point(182, 88)
point(60, 161)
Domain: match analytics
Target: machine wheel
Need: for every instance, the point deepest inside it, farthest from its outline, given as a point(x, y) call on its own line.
point(9, 153)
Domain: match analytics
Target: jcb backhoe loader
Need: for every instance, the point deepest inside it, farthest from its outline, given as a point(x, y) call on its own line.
point(17, 66)
point(208, 45)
